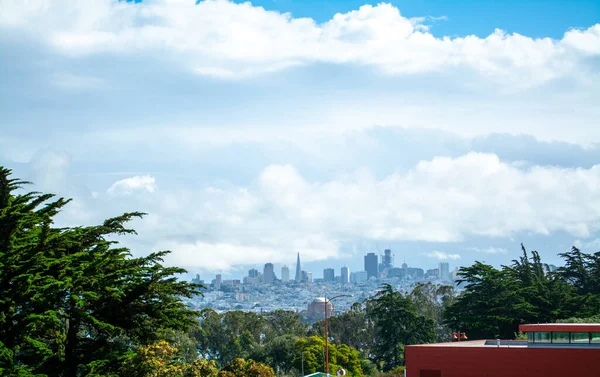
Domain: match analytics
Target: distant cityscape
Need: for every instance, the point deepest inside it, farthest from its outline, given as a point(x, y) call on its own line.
point(265, 291)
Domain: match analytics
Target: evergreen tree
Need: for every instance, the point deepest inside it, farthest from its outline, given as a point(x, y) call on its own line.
point(396, 324)
point(73, 302)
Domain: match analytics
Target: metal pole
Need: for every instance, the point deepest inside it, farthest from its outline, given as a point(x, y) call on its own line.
point(326, 341)
point(302, 363)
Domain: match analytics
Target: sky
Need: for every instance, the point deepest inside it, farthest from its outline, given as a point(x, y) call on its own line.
point(445, 130)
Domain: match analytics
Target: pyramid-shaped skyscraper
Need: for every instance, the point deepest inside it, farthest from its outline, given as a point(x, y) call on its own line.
point(298, 269)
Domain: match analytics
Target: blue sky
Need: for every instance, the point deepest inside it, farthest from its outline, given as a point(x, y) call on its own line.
point(534, 18)
point(448, 131)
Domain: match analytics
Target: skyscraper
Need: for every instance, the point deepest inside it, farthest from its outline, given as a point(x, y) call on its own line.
point(298, 270)
point(371, 265)
point(345, 275)
point(329, 274)
point(268, 274)
point(285, 274)
point(444, 271)
point(387, 261)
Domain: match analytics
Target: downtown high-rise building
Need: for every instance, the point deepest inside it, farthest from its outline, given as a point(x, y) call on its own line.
point(298, 270)
point(329, 274)
point(345, 275)
point(444, 271)
point(388, 259)
point(371, 265)
point(268, 273)
point(285, 274)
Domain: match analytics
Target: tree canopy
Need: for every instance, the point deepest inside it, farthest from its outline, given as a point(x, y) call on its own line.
point(397, 323)
point(496, 301)
point(73, 301)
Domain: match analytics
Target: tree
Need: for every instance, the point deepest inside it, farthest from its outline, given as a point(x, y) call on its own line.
point(163, 360)
point(495, 302)
point(582, 272)
point(73, 302)
point(283, 322)
point(340, 356)
point(490, 304)
point(431, 300)
point(351, 328)
point(279, 353)
point(29, 327)
point(396, 324)
point(239, 367)
point(231, 335)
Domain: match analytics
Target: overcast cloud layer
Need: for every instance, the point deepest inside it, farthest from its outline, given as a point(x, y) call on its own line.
point(248, 135)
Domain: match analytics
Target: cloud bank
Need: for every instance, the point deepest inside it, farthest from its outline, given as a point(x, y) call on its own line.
point(443, 200)
point(223, 39)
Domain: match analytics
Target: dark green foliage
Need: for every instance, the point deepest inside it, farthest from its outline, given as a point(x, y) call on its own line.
point(351, 328)
point(495, 302)
point(229, 336)
point(283, 322)
point(582, 272)
point(431, 300)
point(277, 339)
point(396, 323)
point(73, 303)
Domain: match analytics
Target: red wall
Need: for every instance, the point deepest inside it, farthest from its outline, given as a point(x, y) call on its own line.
point(491, 361)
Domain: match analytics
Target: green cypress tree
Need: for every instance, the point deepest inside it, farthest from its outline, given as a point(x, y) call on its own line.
point(73, 303)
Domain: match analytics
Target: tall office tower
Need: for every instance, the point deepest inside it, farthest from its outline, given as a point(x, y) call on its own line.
point(268, 273)
point(371, 265)
point(345, 275)
point(298, 270)
point(444, 271)
point(285, 274)
point(218, 281)
point(253, 273)
point(329, 274)
point(387, 261)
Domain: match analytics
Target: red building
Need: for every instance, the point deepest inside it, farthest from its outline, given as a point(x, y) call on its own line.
point(552, 350)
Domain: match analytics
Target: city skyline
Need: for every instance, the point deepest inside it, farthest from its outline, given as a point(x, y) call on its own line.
point(336, 272)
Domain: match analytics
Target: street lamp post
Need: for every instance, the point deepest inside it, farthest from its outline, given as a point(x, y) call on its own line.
point(327, 332)
point(302, 363)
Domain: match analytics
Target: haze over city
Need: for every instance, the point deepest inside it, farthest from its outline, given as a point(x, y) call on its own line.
point(445, 132)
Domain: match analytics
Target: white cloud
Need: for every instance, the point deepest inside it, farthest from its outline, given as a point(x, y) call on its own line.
point(440, 255)
point(256, 40)
point(128, 186)
point(221, 256)
point(489, 250)
point(587, 41)
point(439, 200)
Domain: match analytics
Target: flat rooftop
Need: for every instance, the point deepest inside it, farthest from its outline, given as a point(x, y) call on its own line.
point(560, 327)
point(477, 343)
